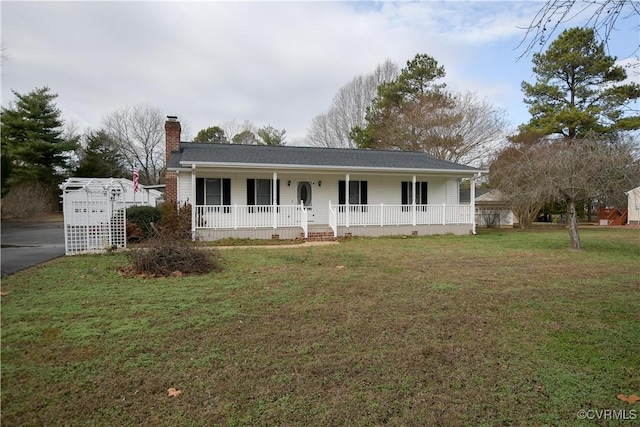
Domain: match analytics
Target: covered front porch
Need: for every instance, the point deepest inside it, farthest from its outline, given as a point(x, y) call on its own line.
point(291, 203)
point(292, 221)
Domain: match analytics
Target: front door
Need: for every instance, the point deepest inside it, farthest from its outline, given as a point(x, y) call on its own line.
point(305, 196)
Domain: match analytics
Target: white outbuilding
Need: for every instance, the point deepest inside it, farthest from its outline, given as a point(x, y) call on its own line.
point(633, 206)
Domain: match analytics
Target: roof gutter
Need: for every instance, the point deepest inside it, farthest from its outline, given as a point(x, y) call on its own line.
point(189, 165)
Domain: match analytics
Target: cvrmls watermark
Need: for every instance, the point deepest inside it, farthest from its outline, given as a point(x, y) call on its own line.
point(607, 414)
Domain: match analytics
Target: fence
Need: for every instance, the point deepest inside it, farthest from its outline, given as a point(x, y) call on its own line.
point(94, 216)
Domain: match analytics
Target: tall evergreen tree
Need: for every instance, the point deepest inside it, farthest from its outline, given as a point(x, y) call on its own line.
point(100, 158)
point(578, 89)
point(406, 108)
point(32, 139)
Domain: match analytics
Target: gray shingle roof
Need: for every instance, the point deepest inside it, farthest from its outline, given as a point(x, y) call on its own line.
point(199, 153)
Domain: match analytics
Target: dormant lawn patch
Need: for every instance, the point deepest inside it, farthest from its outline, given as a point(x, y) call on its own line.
point(503, 328)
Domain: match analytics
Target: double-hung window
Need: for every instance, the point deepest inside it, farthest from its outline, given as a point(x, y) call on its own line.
point(420, 194)
point(260, 193)
point(213, 191)
point(357, 193)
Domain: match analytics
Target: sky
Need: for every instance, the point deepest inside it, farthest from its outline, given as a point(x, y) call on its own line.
point(271, 63)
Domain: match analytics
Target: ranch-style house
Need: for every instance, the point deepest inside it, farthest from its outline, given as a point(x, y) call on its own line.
point(287, 192)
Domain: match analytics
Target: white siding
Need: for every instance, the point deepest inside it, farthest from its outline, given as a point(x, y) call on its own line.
point(633, 206)
point(184, 187)
point(382, 188)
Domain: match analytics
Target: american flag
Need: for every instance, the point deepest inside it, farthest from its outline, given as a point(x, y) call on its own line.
point(136, 178)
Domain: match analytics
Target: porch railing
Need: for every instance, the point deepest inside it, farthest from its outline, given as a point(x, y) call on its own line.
point(268, 216)
point(386, 215)
point(250, 216)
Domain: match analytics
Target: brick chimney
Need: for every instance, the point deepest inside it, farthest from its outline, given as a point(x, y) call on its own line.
point(172, 131)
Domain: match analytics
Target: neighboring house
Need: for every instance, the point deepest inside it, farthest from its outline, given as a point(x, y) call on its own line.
point(633, 206)
point(145, 196)
point(288, 192)
point(493, 211)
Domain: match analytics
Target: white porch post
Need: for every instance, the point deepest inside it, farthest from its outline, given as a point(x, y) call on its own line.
point(274, 199)
point(472, 202)
point(413, 200)
point(346, 199)
point(193, 201)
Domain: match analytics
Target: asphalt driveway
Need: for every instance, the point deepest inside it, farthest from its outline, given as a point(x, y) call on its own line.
point(27, 244)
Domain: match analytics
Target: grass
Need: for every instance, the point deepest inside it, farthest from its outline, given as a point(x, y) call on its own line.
point(502, 328)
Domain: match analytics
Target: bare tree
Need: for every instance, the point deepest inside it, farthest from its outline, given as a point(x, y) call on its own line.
point(569, 171)
point(515, 174)
point(603, 15)
point(4, 54)
point(348, 109)
point(138, 133)
point(482, 129)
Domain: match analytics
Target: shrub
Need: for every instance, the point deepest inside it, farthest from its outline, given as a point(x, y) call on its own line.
point(27, 199)
point(176, 221)
point(143, 217)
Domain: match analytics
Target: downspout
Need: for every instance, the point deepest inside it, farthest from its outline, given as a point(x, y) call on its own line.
point(472, 202)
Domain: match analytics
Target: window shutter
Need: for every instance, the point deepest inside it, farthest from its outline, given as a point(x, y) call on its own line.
point(423, 193)
point(226, 191)
point(277, 192)
point(342, 192)
point(405, 193)
point(251, 191)
point(363, 192)
point(199, 191)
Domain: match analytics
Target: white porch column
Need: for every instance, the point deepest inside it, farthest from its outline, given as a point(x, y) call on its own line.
point(413, 200)
point(274, 199)
point(192, 201)
point(472, 202)
point(346, 199)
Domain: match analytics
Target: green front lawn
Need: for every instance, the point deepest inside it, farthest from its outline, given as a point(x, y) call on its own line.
point(502, 328)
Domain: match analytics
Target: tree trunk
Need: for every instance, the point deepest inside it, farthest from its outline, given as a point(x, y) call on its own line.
point(573, 224)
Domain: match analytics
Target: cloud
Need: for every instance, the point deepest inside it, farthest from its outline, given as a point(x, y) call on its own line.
point(277, 63)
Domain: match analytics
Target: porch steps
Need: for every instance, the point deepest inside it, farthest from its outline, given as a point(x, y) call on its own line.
point(320, 236)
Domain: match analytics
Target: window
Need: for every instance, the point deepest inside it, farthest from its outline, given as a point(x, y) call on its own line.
point(421, 193)
point(357, 193)
point(213, 191)
point(259, 192)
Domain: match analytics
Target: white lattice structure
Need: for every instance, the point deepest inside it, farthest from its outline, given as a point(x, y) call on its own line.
point(94, 215)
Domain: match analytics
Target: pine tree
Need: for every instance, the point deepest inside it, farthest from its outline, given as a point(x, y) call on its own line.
point(578, 89)
point(33, 141)
point(100, 158)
